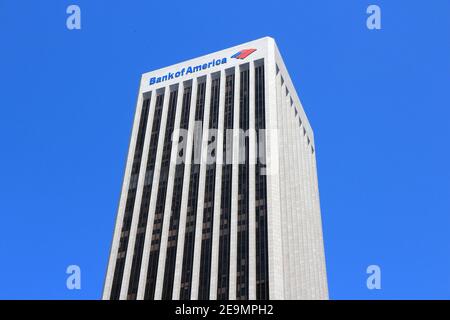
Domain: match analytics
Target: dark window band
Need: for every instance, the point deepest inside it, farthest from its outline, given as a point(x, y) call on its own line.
point(242, 213)
point(191, 214)
point(208, 211)
point(161, 199)
point(225, 202)
point(143, 211)
point(122, 251)
point(243, 199)
point(262, 263)
point(176, 205)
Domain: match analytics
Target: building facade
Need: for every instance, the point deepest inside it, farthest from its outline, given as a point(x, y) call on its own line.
point(220, 196)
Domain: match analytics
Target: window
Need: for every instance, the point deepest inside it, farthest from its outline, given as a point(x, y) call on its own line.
point(161, 199)
point(243, 187)
point(225, 201)
point(176, 205)
point(208, 212)
point(262, 263)
point(120, 262)
point(188, 255)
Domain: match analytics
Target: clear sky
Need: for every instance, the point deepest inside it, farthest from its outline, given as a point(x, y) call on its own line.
point(378, 102)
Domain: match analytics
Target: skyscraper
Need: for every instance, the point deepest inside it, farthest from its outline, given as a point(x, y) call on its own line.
point(220, 196)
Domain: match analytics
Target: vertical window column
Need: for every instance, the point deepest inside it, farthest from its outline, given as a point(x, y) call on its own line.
point(126, 224)
point(208, 209)
point(243, 192)
point(143, 212)
point(167, 218)
point(161, 199)
point(234, 188)
point(191, 213)
point(251, 186)
point(188, 146)
point(201, 156)
point(262, 261)
point(176, 202)
point(225, 201)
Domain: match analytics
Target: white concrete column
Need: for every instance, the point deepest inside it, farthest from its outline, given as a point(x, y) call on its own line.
point(286, 195)
point(123, 198)
point(218, 191)
point(154, 194)
point(312, 218)
point(137, 203)
point(300, 201)
point(316, 232)
point(201, 194)
point(282, 178)
point(302, 266)
point(274, 223)
point(307, 220)
point(234, 187)
point(321, 250)
point(185, 195)
point(169, 194)
point(292, 195)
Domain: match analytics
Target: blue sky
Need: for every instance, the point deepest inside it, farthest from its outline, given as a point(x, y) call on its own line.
point(378, 102)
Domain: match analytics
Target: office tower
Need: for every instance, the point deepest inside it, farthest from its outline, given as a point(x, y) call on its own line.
point(220, 196)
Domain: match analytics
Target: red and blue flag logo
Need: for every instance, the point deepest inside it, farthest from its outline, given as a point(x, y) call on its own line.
point(243, 53)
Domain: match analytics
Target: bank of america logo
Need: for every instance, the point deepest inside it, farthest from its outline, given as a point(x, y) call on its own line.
point(243, 53)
